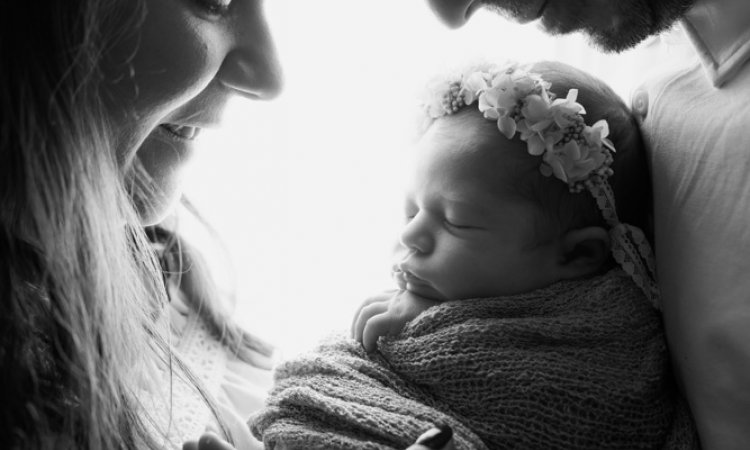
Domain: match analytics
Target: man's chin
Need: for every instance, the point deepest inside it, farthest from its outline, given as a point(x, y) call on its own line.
point(605, 40)
point(611, 43)
point(613, 26)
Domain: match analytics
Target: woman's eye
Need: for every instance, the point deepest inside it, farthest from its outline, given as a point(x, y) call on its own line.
point(215, 7)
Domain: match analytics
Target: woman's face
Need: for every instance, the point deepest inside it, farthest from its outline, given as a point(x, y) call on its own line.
point(173, 76)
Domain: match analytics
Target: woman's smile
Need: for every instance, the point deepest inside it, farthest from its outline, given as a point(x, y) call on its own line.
point(173, 76)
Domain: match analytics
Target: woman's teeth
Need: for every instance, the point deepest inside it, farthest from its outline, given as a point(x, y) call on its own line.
point(184, 132)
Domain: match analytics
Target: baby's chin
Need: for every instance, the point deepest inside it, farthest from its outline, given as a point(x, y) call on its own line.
point(426, 292)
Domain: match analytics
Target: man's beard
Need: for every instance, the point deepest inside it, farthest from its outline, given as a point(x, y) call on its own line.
point(612, 26)
point(640, 19)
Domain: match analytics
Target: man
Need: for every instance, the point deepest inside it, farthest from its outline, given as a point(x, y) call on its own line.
point(696, 122)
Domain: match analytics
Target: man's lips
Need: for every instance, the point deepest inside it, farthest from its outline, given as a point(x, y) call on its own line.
point(531, 11)
point(523, 11)
point(542, 8)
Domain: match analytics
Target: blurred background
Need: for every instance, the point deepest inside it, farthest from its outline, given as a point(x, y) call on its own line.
point(304, 193)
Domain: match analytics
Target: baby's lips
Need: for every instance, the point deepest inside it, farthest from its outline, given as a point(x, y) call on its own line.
point(399, 277)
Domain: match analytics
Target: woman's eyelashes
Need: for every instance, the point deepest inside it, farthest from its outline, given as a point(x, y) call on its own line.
point(215, 7)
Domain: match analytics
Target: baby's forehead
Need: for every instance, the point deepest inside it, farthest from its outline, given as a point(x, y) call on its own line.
point(471, 147)
point(475, 175)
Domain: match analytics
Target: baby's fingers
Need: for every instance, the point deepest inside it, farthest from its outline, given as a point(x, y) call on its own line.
point(383, 297)
point(384, 324)
point(365, 315)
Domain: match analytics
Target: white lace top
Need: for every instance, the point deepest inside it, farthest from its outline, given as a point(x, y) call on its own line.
point(238, 388)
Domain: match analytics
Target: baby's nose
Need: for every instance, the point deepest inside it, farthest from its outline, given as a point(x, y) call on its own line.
point(416, 236)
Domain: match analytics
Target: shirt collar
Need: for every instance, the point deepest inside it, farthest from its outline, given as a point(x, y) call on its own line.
point(720, 32)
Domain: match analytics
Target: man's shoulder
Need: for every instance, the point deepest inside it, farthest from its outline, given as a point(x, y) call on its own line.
point(668, 80)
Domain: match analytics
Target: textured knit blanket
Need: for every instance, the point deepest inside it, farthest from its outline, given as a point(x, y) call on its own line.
point(577, 365)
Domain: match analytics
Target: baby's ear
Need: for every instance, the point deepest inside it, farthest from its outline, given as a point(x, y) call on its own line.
point(583, 252)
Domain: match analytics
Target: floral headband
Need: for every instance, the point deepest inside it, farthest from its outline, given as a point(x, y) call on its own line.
point(553, 128)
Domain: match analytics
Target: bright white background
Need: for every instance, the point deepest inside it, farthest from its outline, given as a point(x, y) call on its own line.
point(304, 191)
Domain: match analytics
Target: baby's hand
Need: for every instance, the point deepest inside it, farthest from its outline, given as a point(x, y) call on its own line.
point(386, 314)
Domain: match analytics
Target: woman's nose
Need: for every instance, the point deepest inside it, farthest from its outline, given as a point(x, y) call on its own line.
point(251, 68)
point(416, 235)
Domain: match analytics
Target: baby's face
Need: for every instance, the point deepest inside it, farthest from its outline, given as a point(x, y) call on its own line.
point(467, 234)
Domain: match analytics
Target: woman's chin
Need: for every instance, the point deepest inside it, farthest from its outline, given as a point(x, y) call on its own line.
point(156, 213)
point(156, 207)
point(156, 192)
point(162, 162)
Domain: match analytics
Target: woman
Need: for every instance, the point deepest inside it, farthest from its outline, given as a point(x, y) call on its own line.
point(100, 103)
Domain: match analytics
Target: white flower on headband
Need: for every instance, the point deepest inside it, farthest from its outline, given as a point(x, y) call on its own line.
point(520, 102)
point(576, 160)
point(501, 99)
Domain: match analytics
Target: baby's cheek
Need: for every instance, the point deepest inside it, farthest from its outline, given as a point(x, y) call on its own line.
point(453, 277)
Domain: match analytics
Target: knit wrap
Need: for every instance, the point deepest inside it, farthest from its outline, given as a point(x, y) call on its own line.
point(577, 365)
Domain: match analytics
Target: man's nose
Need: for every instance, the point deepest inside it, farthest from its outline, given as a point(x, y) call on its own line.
point(454, 13)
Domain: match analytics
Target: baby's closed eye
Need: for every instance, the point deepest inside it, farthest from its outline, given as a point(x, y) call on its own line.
point(457, 226)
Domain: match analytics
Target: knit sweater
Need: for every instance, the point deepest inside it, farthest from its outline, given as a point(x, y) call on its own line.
point(577, 365)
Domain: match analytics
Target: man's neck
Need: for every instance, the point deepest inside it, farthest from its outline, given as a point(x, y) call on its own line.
point(720, 31)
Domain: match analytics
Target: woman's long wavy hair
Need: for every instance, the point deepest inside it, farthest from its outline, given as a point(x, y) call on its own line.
point(80, 286)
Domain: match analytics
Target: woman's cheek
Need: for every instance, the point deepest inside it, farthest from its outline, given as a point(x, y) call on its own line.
point(177, 57)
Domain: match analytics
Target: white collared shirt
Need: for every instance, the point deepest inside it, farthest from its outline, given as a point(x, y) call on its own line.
point(696, 123)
